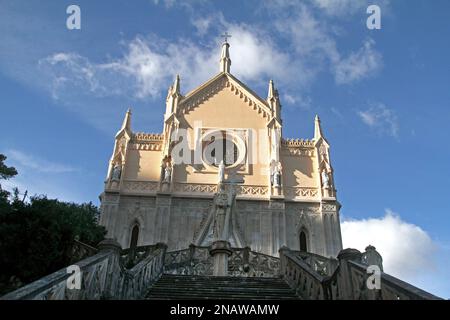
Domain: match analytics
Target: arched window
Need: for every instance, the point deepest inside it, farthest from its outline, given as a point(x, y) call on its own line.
point(303, 242)
point(134, 236)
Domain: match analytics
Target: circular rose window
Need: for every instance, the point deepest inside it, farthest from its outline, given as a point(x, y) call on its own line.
point(218, 146)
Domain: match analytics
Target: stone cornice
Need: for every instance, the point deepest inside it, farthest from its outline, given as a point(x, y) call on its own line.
point(298, 143)
point(147, 141)
point(147, 137)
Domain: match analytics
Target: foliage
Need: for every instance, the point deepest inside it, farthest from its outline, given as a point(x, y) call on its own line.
point(36, 237)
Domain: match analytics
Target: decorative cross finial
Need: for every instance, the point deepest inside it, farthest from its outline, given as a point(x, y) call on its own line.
point(225, 36)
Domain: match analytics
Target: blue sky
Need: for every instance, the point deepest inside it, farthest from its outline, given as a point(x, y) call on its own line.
point(382, 95)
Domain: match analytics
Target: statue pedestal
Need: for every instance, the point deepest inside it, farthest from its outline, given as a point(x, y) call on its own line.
point(165, 186)
point(220, 250)
point(277, 191)
point(327, 192)
point(114, 184)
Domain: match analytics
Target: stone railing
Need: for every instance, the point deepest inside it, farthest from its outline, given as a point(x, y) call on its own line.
point(390, 288)
point(195, 188)
point(247, 263)
point(307, 283)
point(192, 261)
point(321, 265)
point(142, 276)
point(132, 256)
point(316, 278)
point(301, 193)
point(140, 187)
point(80, 251)
point(242, 263)
point(103, 276)
point(252, 191)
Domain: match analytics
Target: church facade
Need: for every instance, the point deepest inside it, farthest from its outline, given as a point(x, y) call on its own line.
point(222, 170)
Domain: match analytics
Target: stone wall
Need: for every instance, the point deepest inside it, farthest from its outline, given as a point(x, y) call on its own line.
point(263, 225)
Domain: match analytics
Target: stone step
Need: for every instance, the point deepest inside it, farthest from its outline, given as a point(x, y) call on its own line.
point(224, 289)
point(227, 297)
point(198, 279)
point(224, 284)
point(220, 289)
point(207, 287)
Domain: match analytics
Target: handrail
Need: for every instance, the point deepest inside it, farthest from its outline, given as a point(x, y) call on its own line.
point(307, 283)
point(348, 280)
point(138, 279)
point(102, 276)
point(53, 286)
point(394, 288)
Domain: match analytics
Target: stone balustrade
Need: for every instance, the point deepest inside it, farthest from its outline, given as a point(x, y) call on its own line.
point(242, 263)
point(137, 280)
point(103, 276)
point(307, 283)
point(113, 273)
point(315, 277)
point(246, 263)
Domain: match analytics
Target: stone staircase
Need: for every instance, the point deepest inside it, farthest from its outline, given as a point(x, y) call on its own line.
point(230, 288)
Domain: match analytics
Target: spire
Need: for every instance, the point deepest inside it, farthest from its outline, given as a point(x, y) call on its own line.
point(225, 61)
point(274, 101)
point(126, 125)
point(272, 91)
point(317, 129)
point(176, 85)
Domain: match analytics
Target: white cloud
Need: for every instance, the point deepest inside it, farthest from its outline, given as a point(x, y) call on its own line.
point(381, 119)
point(292, 45)
point(341, 7)
point(309, 38)
point(149, 65)
point(407, 250)
point(345, 8)
point(358, 65)
point(303, 102)
point(25, 161)
point(314, 41)
point(254, 55)
point(202, 24)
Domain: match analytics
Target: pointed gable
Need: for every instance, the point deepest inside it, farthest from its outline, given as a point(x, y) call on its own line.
point(225, 81)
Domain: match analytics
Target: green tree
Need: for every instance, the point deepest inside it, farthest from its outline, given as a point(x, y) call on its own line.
point(36, 237)
point(5, 173)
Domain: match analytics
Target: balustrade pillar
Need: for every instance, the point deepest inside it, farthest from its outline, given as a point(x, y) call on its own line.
point(345, 281)
point(113, 273)
point(220, 251)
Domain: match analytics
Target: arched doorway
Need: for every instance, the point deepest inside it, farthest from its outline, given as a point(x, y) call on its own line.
point(303, 241)
point(134, 237)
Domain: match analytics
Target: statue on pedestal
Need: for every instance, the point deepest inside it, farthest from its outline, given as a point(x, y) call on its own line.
point(166, 169)
point(117, 172)
point(167, 173)
point(325, 179)
point(275, 174)
point(221, 203)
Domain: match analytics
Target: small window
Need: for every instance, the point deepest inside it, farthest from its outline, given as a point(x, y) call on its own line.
point(134, 237)
point(303, 242)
